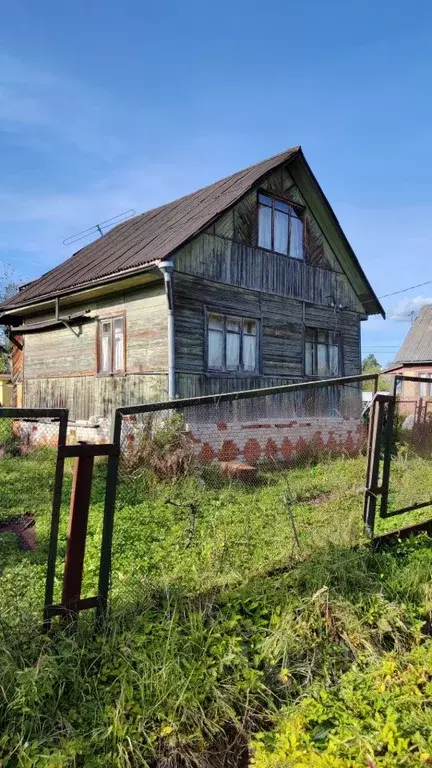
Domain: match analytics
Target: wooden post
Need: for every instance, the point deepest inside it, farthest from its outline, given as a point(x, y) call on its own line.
point(77, 532)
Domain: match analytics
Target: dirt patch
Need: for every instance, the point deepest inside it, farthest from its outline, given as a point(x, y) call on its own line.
point(24, 528)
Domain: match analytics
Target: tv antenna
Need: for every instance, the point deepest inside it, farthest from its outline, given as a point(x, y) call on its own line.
point(99, 228)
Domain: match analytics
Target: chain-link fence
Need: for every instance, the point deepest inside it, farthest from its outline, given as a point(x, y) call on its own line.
point(30, 494)
point(218, 489)
point(408, 444)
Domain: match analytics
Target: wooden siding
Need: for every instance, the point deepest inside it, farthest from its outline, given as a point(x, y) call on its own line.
point(60, 367)
point(282, 324)
point(60, 352)
point(226, 261)
point(94, 397)
point(240, 223)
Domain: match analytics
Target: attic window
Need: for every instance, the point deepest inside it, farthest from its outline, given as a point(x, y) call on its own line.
point(280, 226)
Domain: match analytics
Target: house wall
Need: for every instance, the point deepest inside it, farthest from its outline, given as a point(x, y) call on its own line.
point(60, 366)
point(220, 269)
point(223, 268)
point(282, 335)
point(409, 398)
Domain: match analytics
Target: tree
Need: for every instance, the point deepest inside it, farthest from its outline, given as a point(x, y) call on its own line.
point(9, 282)
point(371, 365)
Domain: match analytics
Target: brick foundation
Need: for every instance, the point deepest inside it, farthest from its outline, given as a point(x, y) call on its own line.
point(250, 442)
point(278, 440)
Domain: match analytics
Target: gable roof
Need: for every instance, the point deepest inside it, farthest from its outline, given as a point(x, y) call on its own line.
point(417, 346)
point(145, 240)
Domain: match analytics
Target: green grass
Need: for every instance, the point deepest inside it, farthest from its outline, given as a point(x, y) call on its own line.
point(221, 620)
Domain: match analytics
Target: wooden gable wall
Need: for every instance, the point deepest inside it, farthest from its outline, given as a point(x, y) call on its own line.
point(223, 267)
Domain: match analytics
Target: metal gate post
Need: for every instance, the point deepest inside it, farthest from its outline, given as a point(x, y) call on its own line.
point(374, 456)
point(108, 521)
point(72, 602)
point(77, 533)
point(55, 519)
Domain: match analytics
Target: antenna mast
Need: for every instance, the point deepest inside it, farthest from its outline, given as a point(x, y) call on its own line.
point(99, 228)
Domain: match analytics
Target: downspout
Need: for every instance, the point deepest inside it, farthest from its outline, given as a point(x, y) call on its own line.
point(167, 268)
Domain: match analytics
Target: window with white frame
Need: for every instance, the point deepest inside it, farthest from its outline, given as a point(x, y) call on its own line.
point(280, 226)
point(111, 345)
point(232, 343)
point(322, 353)
point(425, 387)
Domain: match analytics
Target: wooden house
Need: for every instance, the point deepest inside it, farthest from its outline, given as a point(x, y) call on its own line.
point(249, 282)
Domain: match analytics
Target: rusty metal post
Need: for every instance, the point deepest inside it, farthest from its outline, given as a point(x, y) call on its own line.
point(77, 532)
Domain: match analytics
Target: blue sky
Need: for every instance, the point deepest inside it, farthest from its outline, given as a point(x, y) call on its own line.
point(107, 106)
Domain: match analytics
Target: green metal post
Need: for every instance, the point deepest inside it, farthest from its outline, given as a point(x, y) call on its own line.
point(108, 521)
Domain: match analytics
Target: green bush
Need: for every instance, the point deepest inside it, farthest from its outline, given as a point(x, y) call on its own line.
point(379, 716)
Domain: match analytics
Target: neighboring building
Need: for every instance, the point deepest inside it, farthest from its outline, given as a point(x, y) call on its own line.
point(249, 282)
point(414, 358)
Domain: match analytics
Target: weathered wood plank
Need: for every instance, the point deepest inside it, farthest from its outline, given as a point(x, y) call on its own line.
point(246, 267)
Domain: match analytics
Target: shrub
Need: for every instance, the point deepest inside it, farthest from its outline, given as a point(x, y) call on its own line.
point(164, 447)
point(12, 445)
point(378, 717)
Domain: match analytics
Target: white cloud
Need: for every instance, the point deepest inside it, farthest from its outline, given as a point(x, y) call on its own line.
point(407, 308)
point(65, 110)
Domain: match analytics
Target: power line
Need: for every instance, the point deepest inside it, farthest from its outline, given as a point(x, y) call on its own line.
point(404, 290)
point(395, 293)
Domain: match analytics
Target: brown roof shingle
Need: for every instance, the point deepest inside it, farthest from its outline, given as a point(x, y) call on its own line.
point(148, 237)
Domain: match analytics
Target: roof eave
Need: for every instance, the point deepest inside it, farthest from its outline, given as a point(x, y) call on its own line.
point(49, 297)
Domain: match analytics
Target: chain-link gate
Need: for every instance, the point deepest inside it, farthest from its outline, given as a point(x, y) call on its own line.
point(31, 482)
point(50, 494)
point(213, 489)
point(399, 480)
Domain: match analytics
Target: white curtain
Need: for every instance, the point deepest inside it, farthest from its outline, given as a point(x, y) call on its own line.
point(249, 353)
point(265, 227)
point(215, 349)
point(232, 351)
point(118, 345)
point(296, 238)
point(280, 232)
point(322, 360)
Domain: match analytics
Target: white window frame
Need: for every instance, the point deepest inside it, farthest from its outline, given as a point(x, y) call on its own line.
point(112, 368)
point(425, 387)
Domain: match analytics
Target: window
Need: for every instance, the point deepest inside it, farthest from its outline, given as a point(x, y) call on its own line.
point(111, 345)
point(232, 343)
point(322, 353)
point(425, 387)
point(280, 227)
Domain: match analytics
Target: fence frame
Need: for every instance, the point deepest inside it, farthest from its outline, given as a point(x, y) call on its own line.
point(381, 438)
point(179, 404)
point(60, 415)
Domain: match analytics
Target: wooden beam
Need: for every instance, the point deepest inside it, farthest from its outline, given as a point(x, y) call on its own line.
point(77, 532)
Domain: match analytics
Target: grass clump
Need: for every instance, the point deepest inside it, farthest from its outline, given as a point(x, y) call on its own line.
point(222, 615)
point(378, 716)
